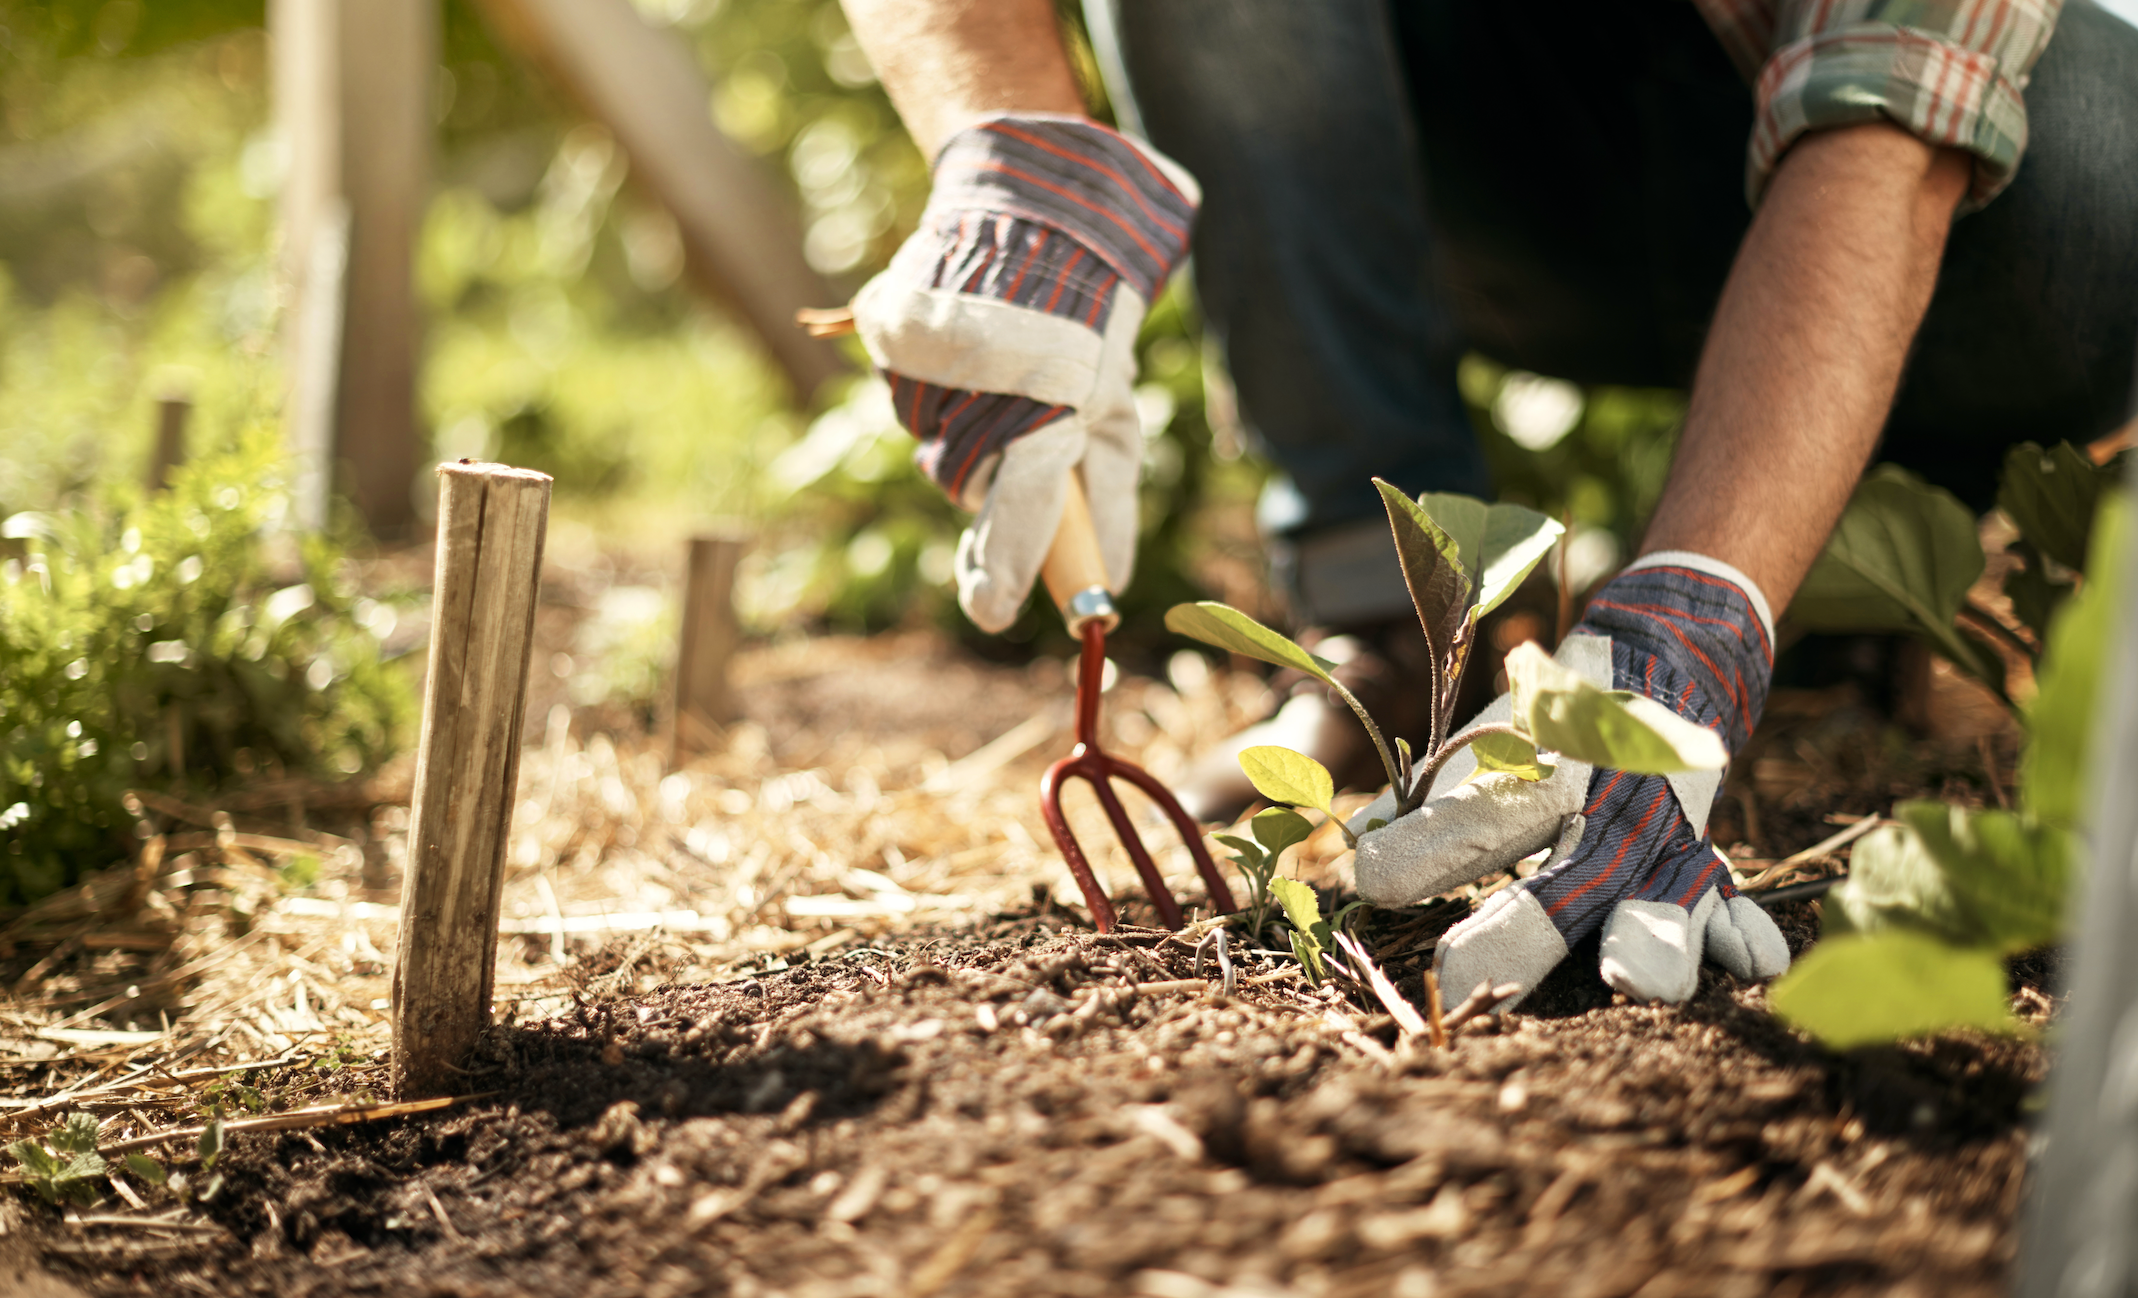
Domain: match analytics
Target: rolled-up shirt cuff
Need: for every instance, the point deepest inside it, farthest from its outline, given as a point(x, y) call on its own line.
point(1936, 89)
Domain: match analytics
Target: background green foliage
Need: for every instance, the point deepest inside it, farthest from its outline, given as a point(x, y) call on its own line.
point(148, 636)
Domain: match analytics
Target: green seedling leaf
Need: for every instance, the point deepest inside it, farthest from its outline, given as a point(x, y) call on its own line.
point(36, 1160)
point(1858, 990)
point(1900, 559)
point(148, 1169)
point(1251, 854)
point(1498, 545)
point(76, 1134)
point(2051, 496)
point(1894, 882)
point(210, 1147)
point(1227, 628)
point(1510, 753)
point(65, 1172)
point(2035, 592)
point(1559, 710)
point(1277, 828)
point(1439, 586)
point(1293, 779)
point(2053, 769)
point(2008, 874)
point(1303, 910)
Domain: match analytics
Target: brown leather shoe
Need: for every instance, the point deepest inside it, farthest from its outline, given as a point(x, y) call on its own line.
point(1383, 666)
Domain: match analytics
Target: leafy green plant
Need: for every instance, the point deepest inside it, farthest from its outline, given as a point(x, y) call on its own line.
point(1274, 830)
point(162, 641)
point(1915, 937)
point(1461, 558)
point(1312, 937)
point(66, 1167)
point(1905, 554)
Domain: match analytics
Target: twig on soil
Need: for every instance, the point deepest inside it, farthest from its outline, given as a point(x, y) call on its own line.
point(1481, 1001)
point(133, 1082)
point(1438, 1034)
point(1402, 1011)
point(299, 1120)
point(1216, 937)
point(1804, 891)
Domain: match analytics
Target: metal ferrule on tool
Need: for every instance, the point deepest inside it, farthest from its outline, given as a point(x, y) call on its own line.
point(1091, 604)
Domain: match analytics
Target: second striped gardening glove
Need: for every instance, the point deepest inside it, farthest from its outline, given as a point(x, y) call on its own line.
point(1630, 852)
point(1006, 326)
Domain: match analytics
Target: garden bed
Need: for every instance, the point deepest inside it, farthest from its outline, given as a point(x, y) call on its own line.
point(870, 1050)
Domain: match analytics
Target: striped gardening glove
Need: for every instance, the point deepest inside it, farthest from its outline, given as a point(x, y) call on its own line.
point(1006, 326)
point(1630, 853)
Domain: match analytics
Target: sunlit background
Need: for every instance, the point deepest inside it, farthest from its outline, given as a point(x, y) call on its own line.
point(140, 165)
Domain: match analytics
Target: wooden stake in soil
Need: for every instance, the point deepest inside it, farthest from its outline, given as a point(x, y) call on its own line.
point(491, 523)
point(703, 701)
point(170, 449)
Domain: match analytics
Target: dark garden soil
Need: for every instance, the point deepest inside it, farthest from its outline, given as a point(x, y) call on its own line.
point(1010, 1104)
point(1025, 1112)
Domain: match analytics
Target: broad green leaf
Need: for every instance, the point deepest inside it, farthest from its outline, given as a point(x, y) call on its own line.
point(1894, 882)
point(1498, 545)
point(2008, 874)
point(1561, 711)
point(1227, 628)
point(1900, 559)
point(211, 1143)
point(1510, 753)
point(77, 1134)
point(1859, 990)
point(2054, 769)
point(1278, 828)
point(1251, 853)
point(2051, 496)
point(1303, 910)
point(35, 1158)
point(2035, 593)
point(148, 1169)
point(1439, 588)
point(1294, 779)
point(1308, 953)
point(82, 1167)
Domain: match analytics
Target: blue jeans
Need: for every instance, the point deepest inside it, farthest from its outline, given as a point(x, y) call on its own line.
point(1385, 188)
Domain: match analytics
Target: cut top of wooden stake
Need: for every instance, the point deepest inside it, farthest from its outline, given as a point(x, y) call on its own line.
point(488, 469)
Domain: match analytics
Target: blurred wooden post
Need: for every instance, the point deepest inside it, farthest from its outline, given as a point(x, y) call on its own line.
point(491, 524)
point(172, 408)
point(742, 240)
point(353, 81)
point(703, 700)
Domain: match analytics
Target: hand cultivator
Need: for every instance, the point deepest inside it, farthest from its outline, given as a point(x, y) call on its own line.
point(1076, 578)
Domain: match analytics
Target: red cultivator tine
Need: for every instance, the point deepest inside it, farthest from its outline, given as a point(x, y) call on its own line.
point(1099, 769)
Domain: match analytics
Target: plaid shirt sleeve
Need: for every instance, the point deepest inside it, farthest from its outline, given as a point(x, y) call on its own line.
point(1949, 72)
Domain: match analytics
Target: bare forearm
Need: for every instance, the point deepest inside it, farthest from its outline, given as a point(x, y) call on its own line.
point(948, 63)
point(1806, 350)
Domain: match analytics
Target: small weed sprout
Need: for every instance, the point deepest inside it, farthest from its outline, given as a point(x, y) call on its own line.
point(66, 1168)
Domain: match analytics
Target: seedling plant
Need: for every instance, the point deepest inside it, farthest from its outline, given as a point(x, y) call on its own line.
point(1461, 558)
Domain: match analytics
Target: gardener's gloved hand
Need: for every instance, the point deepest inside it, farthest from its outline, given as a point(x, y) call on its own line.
point(1007, 328)
point(1631, 851)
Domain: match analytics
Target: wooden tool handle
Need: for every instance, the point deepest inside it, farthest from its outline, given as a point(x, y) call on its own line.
point(1075, 570)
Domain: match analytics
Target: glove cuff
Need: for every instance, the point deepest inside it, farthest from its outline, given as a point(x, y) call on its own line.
point(1693, 634)
point(1128, 204)
point(1713, 568)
